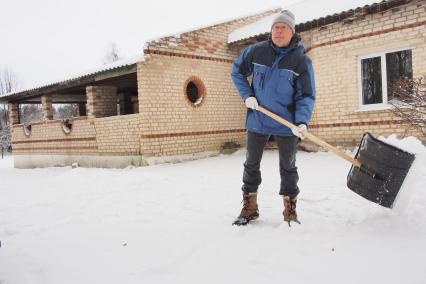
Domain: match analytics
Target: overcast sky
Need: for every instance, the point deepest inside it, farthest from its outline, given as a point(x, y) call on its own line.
point(48, 40)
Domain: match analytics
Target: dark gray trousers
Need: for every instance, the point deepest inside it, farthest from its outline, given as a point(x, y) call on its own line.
point(287, 148)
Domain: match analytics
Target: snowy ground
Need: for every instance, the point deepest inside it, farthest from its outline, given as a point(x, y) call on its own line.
point(172, 224)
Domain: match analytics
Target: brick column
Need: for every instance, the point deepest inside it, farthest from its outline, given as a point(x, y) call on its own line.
point(46, 101)
point(101, 101)
point(13, 113)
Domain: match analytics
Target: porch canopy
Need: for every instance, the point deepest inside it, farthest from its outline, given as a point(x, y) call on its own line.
point(121, 75)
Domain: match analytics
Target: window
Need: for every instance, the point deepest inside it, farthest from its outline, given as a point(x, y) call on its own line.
point(399, 65)
point(377, 75)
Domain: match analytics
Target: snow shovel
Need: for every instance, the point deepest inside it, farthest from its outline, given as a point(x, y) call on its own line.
point(378, 169)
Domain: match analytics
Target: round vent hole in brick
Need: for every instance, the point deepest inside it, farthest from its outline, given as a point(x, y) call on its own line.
point(194, 91)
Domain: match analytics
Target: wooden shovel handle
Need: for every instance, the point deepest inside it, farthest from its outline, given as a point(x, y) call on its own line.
point(311, 137)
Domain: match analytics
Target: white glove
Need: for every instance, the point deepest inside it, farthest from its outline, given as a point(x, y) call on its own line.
point(299, 130)
point(251, 102)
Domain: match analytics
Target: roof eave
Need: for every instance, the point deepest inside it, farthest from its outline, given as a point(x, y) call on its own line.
point(83, 80)
point(338, 17)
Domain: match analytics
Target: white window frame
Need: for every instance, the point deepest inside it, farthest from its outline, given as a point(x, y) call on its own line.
point(384, 105)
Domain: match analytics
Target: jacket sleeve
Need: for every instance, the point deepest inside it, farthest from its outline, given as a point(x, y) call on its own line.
point(305, 94)
point(241, 69)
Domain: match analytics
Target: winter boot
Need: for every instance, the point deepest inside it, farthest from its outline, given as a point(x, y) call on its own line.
point(250, 210)
point(290, 210)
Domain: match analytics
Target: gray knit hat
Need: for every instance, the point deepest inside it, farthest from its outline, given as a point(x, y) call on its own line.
point(285, 17)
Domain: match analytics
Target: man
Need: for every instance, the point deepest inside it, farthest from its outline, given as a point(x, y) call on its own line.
point(283, 82)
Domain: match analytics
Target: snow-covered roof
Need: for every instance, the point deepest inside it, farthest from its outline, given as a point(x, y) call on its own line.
point(93, 71)
point(304, 11)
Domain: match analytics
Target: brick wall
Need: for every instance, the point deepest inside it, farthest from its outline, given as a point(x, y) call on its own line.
point(118, 135)
point(48, 137)
point(170, 124)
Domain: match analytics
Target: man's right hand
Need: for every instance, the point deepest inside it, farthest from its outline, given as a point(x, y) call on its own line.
point(251, 102)
point(300, 130)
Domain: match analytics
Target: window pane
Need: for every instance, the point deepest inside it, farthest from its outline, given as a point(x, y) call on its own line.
point(371, 74)
point(398, 67)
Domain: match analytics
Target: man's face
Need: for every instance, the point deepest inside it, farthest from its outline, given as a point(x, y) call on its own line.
point(281, 34)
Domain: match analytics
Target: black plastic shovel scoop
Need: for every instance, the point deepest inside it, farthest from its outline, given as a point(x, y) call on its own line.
point(378, 169)
point(387, 168)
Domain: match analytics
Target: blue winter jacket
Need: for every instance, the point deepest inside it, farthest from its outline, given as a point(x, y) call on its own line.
point(283, 82)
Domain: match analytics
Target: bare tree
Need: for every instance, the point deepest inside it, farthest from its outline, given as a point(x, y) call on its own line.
point(410, 101)
point(30, 113)
point(8, 83)
point(5, 139)
point(111, 54)
point(4, 116)
point(65, 111)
